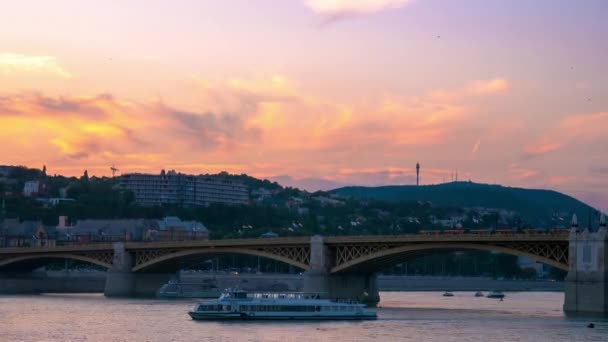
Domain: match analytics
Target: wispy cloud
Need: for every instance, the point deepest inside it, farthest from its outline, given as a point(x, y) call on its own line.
point(13, 63)
point(569, 130)
point(540, 148)
point(493, 86)
point(476, 146)
point(337, 9)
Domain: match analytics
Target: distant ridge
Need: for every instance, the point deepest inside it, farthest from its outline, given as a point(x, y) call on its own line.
point(535, 206)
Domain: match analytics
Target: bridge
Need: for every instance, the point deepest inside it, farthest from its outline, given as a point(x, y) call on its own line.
point(341, 266)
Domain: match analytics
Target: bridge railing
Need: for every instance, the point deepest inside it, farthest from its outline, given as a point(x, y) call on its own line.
point(11, 241)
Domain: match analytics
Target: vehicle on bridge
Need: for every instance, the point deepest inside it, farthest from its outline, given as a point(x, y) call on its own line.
point(240, 305)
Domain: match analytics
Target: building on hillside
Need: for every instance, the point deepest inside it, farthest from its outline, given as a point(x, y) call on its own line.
point(171, 228)
point(53, 201)
point(34, 188)
point(109, 230)
point(450, 222)
point(261, 194)
point(328, 201)
point(176, 188)
point(15, 233)
point(5, 171)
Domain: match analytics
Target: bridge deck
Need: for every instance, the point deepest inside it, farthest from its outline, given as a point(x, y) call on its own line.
point(293, 241)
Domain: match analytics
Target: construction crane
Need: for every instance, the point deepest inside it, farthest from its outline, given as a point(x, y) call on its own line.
point(114, 170)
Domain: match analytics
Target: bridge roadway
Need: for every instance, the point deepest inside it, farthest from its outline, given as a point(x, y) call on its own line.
point(342, 266)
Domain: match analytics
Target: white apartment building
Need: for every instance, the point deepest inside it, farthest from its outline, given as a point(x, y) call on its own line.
point(176, 188)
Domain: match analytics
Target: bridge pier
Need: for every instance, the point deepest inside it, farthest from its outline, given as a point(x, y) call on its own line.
point(587, 280)
point(361, 287)
point(121, 281)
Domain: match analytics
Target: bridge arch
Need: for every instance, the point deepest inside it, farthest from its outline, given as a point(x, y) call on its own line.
point(144, 264)
point(33, 258)
point(377, 259)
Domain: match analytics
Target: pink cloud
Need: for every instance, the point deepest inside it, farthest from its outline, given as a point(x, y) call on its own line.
point(340, 7)
point(570, 130)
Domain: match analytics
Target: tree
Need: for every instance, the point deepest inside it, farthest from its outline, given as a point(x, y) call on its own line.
point(44, 170)
point(85, 176)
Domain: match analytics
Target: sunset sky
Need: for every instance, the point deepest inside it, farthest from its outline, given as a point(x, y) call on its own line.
point(316, 93)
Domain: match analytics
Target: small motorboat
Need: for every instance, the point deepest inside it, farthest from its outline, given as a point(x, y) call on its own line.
point(448, 294)
point(479, 294)
point(496, 294)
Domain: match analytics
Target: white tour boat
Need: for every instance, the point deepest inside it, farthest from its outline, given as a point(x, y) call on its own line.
point(240, 305)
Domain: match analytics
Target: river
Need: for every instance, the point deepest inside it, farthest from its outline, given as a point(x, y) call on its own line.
point(402, 316)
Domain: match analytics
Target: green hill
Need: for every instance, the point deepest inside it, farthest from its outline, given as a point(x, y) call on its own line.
point(541, 208)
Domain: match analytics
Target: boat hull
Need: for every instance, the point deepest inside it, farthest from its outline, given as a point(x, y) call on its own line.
point(198, 316)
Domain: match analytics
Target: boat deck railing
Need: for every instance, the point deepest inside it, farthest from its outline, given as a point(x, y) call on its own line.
point(275, 295)
point(286, 295)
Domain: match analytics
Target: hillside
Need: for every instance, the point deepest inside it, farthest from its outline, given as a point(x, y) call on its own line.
point(538, 207)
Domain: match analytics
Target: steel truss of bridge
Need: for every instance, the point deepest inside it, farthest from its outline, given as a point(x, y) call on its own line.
point(345, 253)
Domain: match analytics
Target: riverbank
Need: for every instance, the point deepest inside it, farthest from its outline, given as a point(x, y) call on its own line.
point(90, 282)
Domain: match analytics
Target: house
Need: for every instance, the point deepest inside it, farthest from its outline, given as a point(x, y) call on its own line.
point(34, 188)
point(327, 201)
point(55, 201)
point(294, 202)
point(110, 230)
point(16, 233)
point(173, 228)
point(169, 228)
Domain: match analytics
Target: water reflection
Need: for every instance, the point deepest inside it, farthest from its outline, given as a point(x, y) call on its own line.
point(402, 316)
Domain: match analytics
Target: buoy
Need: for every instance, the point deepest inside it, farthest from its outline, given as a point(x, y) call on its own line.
point(590, 325)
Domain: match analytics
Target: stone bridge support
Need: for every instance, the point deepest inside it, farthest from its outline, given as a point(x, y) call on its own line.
point(361, 287)
point(121, 281)
point(22, 282)
point(587, 280)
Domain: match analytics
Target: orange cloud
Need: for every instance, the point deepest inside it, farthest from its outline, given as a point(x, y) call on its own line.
point(103, 130)
point(266, 124)
point(494, 86)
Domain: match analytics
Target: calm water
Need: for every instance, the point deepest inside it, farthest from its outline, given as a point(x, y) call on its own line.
point(403, 316)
